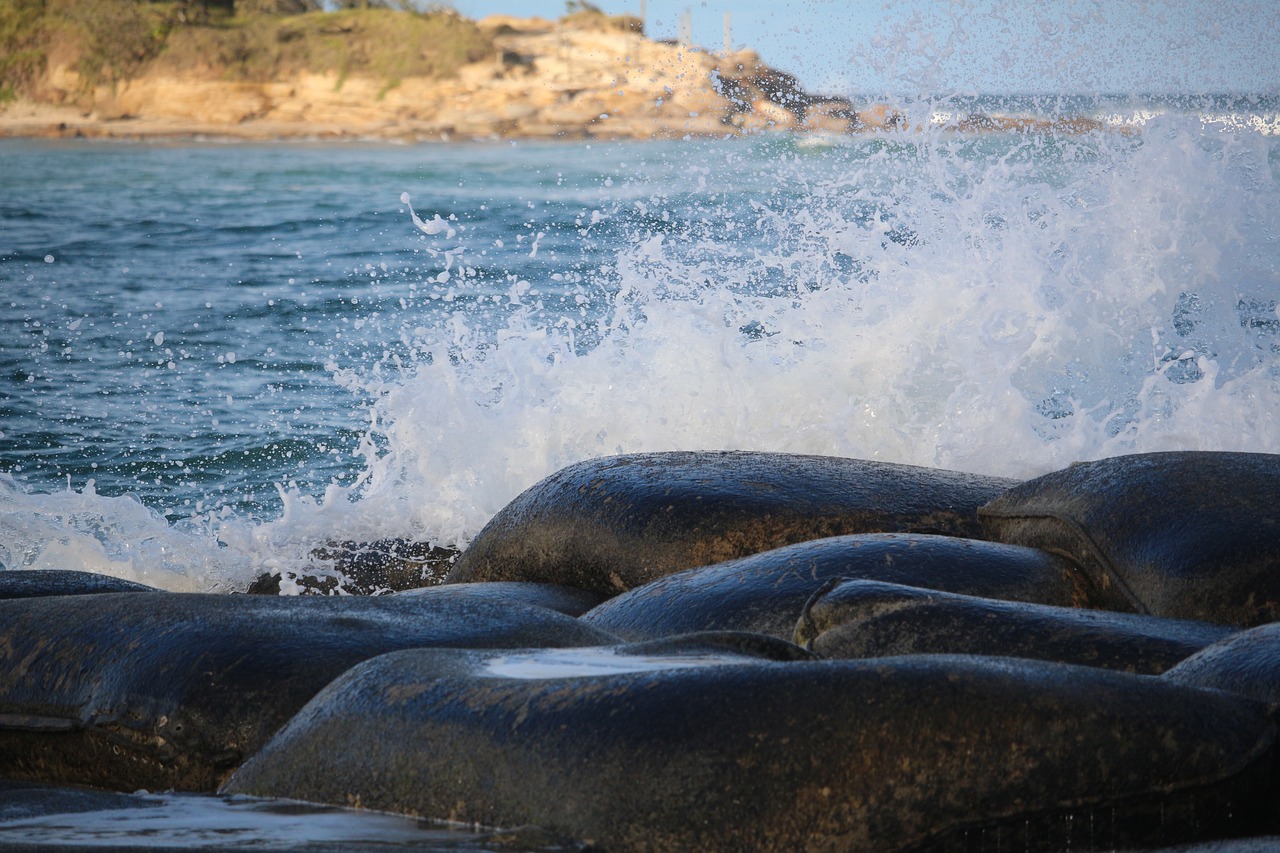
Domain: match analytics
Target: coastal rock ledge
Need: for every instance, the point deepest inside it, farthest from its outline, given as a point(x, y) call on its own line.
point(581, 77)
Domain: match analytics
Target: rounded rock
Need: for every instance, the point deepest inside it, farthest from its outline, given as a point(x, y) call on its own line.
point(1247, 663)
point(174, 690)
point(864, 619)
point(36, 583)
point(1184, 535)
point(710, 751)
point(613, 524)
point(767, 592)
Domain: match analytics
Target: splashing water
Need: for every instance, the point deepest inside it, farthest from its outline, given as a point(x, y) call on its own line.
point(1003, 303)
point(115, 536)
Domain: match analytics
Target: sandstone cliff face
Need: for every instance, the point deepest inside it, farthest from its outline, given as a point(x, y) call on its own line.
point(546, 80)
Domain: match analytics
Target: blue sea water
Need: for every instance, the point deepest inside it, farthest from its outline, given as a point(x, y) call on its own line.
point(215, 357)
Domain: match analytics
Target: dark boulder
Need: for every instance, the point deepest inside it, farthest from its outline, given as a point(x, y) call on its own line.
point(625, 749)
point(35, 583)
point(767, 592)
point(363, 568)
point(864, 619)
point(1247, 663)
point(174, 690)
point(616, 523)
point(1185, 535)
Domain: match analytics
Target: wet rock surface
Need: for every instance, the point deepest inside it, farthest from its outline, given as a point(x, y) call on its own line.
point(732, 753)
point(34, 583)
point(173, 690)
point(364, 568)
point(1247, 663)
point(767, 592)
point(563, 599)
point(864, 619)
point(613, 524)
point(1187, 535)
point(484, 700)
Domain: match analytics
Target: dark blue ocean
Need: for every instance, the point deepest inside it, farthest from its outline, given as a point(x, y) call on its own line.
point(214, 357)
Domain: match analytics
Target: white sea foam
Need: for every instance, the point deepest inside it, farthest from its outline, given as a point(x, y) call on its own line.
point(1005, 306)
point(1030, 317)
point(117, 536)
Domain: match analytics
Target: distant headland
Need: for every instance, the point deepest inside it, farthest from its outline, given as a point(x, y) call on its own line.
point(118, 69)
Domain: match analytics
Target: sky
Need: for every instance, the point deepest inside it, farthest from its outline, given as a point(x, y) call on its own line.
point(977, 46)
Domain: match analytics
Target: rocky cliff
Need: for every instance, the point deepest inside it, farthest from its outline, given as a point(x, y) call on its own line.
point(574, 78)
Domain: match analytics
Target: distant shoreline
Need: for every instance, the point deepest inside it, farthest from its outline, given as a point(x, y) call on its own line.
point(29, 120)
point(387, 76)
point(582, 77)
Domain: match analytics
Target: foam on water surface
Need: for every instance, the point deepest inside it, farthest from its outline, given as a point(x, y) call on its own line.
point(115, 536)
point(1000, 303)
point(1007, 312)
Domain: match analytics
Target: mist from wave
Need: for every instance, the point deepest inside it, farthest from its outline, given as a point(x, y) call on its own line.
point(1004, 302)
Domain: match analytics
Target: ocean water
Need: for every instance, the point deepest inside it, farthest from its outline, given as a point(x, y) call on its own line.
point(215, 358)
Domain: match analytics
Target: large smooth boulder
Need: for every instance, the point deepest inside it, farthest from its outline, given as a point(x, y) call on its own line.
point(1186, 535)
point(865, 619)
point(767, 592)
point(1247, 663)
point(616, 523)
point(170, 690)
point(691, 749)
point(34, 583)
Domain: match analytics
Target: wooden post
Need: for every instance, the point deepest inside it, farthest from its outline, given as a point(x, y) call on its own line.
point(728, 36)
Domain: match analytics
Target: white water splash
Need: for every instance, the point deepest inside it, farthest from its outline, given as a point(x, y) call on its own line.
point(115, 536)
point(1003, 304)
point(431, 228)
point(1060, 300)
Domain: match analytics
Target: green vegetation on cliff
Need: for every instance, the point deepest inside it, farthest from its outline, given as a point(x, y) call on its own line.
point(21, 52)
point(382, 43)
point(107, 41)
point(102, 40)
